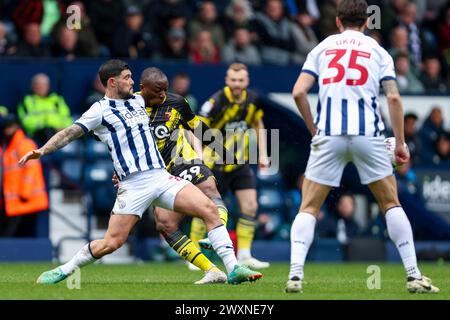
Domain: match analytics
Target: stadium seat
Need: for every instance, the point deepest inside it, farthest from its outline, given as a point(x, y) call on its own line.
point(97, 180)
point(96, 150)
point(269, 180)
point(98, 173)
point(293, 200)
point(270, 199)
point(73, 150)
point(72, 169)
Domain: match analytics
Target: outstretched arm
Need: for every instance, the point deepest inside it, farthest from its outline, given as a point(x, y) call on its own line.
point(304, 83)
point(396, 114)
point(59, 140)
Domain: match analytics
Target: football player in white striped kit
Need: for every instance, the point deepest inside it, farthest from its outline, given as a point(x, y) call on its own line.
point(349, 68)
point(121, 121)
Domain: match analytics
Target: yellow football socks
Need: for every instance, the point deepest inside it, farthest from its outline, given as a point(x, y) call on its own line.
point(245, 232)
point(188, 251)
point(198, 230)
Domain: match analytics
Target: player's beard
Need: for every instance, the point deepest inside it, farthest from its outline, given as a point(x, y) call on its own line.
point(125, 94)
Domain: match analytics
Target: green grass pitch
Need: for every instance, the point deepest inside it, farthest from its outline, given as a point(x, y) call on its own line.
point(174, 281)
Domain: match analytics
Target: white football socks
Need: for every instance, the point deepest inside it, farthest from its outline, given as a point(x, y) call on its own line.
point(80, 259)
point(244, 254)
point(302, 235)
point(400, 232)
point(222, 244)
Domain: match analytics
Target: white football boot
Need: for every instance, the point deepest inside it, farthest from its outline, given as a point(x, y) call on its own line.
point(423, 285)
point(213, 275)
point(293, 285)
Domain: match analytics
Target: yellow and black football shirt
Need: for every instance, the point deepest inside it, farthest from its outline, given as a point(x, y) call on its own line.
point(168, 121)
point(223, 113)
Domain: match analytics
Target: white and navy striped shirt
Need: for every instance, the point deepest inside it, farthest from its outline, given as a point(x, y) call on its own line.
point(124, 126)
point(349, 68)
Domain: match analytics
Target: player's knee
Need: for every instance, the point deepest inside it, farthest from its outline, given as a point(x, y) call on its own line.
point(211, 191)
point(209, 188)
point(209, 210)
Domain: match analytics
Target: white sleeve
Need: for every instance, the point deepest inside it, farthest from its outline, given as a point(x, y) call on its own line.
point(311, 64)
point(140, 99)
point(387, 70)
point(91, 119)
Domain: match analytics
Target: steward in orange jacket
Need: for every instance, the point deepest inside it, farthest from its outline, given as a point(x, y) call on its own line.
point(23, 189)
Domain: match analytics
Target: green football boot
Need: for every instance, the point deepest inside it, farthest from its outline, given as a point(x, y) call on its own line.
point(51, 277)
point(242, 274)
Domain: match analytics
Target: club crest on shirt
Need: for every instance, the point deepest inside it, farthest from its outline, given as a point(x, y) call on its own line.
point(168, 115)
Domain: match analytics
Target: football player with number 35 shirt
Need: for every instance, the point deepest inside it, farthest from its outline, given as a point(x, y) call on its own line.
point(349, 68)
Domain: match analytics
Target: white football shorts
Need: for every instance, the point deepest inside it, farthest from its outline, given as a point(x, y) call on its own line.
point(139, 190)
point(330, 154)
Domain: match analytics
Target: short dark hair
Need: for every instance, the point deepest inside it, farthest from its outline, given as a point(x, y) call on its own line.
point(111, 68)
point(411, 115)
point(352, 13)
point(153, 74)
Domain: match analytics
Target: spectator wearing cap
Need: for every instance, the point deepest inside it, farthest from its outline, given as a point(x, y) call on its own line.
point(132, 41)
point(240, 49)
point(175, 46)
point(23, 193)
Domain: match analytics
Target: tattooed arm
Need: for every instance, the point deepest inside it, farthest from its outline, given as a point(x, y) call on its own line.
point(396, 114)
point(58, 141)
